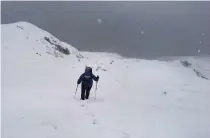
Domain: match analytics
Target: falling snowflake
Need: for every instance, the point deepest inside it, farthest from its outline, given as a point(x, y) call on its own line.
point(99, 21)
point(199, 50)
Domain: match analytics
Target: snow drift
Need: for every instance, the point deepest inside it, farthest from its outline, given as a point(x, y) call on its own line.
point(135, 98)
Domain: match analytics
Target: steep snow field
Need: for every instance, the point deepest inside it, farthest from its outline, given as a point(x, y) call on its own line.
point(135, 98)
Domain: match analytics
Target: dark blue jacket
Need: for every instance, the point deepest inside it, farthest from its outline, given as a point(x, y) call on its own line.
point(87, 78)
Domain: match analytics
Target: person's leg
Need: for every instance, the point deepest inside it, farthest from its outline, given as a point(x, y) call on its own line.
point(83, 92)
point(87, 92)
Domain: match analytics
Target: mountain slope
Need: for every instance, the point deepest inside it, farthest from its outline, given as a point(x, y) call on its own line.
point(31, 38)
point(135, 98)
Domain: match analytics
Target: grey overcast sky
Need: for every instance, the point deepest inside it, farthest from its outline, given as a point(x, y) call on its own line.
point(132, 29)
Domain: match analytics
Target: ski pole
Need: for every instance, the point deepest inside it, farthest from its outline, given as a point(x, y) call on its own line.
point(96, 89)
point(76, 91)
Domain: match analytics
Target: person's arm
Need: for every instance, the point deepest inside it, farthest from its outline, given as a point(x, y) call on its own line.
point(95, 78)
point(80, 79)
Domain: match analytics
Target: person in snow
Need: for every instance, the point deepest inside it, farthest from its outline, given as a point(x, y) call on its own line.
point(87, 81)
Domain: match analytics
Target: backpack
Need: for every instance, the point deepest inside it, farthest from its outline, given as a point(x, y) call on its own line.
point(88, 72)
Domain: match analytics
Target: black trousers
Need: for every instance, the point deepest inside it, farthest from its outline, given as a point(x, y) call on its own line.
point(85, 92)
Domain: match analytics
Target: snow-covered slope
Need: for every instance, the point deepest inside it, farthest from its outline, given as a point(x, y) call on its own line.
point(135, 98)
point(33, 39)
